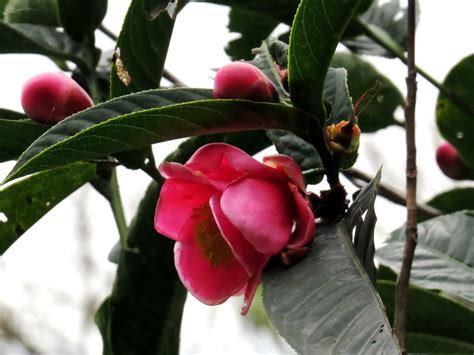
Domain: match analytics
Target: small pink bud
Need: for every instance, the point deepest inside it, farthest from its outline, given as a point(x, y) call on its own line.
point(51, 97)
point(240, 80)
point(451, 163)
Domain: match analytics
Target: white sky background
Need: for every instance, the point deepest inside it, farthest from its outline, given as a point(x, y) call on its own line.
point(39, 274)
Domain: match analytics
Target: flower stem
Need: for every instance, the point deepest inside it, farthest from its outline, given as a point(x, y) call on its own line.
point(401, 296)
point(117, 208)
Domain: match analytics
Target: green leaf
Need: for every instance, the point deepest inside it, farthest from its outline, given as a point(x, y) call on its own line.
point(326, 303)
point(141, 51)
point(317, 29)
point(336, 93)
point(361, 77)
point(428, 344)
point(11, 115)
point(454, 124)
point(253, 27)
point(80, 18)
point(44, 12)
point(48, 41)
point(16, 136)
point(112, 127)
point(432, 314)
point(23, 203)
point(387, 18)
point(155, 7)
point(454, 200)
point(443, 260)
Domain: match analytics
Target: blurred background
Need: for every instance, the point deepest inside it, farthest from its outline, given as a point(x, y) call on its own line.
point(54, 278)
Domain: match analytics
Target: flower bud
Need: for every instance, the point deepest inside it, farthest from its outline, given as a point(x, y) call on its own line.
point(451, 163)
point(240, 80)
point(343, 138)
point(51, 97)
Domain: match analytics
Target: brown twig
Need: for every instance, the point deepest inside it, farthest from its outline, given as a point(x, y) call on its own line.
point(389, 192)
point(401, 296)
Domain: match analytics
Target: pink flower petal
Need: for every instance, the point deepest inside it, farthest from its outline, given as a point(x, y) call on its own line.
point(305, 224)
point(241, 248)
point(288, 166)
point(177, 203)
point(252, 286)
point(220, 161)
point(262, 211)
point(170, 170)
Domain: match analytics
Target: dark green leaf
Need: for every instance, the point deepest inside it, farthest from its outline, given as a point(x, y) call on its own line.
point(389, 19)
point(454, 124)
point(143, 313)
point(361, 77)
point(429, 344)
point(363, 228)
point(155, 7)
point(11, 115)
point(326, 303)
point(80, 18)
point(48, 41)
point(3, 4)
point(444, 257)
point(253, 27)
point(430, 313)
point(110, 127)
point(317, 29)
point(304, 153)
point(454, 200)
point(16, 136)
point(44, 12)
point(141, 51)
point(336, 93)
point(23, 203)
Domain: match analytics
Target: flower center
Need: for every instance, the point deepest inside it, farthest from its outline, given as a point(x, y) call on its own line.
point(209, 238)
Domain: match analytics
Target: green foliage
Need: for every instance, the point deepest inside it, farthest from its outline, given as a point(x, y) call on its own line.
point(23, 203)
point(80, 18)
point(34, 12)
point(154, 8)
point(454, 200)
point(11, 115)
point(16, 135)
point(361, 77)
point(88, 134)
point(454, 123)
point(315, 33)
point(336, 93)
point(141, 51)
point(443, 258)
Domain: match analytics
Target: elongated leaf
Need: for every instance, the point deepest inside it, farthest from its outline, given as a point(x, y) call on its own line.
point(36, 39)
point(444, 258)
point(16, 136)
point(11, 115)
point(361, 77)
point(44, 12)
point(326, 303)
point(141, 51)
point(80, 18)
point(454, 200)
point(23, 203)
point(88, 134)
point(317, 29)
point(336, 93)
point(155, 7)
point(430, 313)
point(454, 124)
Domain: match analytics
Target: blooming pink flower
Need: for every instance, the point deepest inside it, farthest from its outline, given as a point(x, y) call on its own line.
point(229, 214)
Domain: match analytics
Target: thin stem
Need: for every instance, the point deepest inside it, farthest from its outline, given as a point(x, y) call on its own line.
point(108, 33)
point(392, 47)
point(389, 192)
point(401, 296)
point(117, 208)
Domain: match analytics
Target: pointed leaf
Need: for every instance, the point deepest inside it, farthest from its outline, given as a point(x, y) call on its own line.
point(141, 51)
point(317, 29)
point(444, 257)
point(326, 303)
point(361, 77)
point(24, 202)
point(454, 200)
point(17, 135)
point(109, 128)
point(11, 115)
point(80, 18)
point(336, 93)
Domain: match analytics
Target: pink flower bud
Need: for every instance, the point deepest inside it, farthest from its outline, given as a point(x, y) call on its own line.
point(50, 97)
point(240, 80)
point(229, 214)
point(451, 163)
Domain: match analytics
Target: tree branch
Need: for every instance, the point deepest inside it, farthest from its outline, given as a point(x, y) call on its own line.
point(401, 297)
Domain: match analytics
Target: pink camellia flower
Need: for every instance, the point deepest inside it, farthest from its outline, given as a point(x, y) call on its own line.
point(229, 214)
